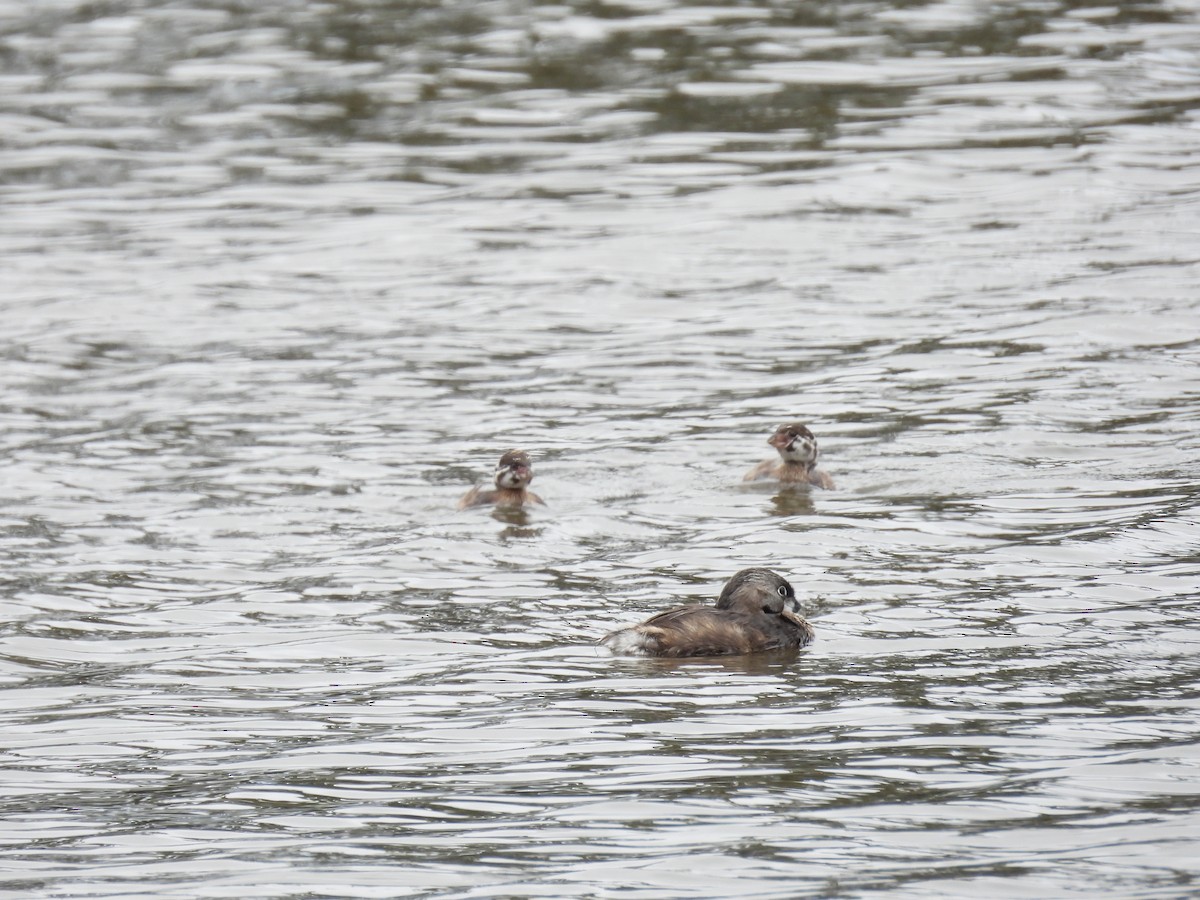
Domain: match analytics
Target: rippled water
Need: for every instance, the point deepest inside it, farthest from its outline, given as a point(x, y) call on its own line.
point(282, 282)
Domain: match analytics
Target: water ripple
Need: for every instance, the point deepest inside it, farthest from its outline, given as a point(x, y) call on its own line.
point(283, 283)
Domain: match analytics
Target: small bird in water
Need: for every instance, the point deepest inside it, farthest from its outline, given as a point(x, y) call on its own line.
point(756, 611)
point(798, 453)
point(513, 474)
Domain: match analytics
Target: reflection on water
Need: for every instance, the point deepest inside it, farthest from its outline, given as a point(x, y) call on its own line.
point(519, 522)
point(792, 501)
point(279, 277)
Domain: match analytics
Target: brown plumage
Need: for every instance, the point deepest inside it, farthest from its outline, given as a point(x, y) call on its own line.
point(513, 474)
point(757, 611)
point(798, 459)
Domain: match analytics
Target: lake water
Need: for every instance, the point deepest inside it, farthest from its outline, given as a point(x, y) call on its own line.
point(283, 280)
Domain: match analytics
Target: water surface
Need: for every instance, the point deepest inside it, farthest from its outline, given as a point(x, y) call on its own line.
point(282, 283)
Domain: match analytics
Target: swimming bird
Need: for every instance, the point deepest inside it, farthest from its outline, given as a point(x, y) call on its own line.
point(798, 453)
point(513, 474)
point(757, 611)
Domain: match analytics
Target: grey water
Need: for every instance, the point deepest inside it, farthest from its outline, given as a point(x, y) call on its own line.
point(282, 281)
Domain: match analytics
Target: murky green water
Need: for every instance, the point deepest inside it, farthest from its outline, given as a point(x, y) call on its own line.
point(283, 280)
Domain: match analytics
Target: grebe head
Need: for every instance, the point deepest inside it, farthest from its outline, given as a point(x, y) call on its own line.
point(514, 470)
point(795, 443)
